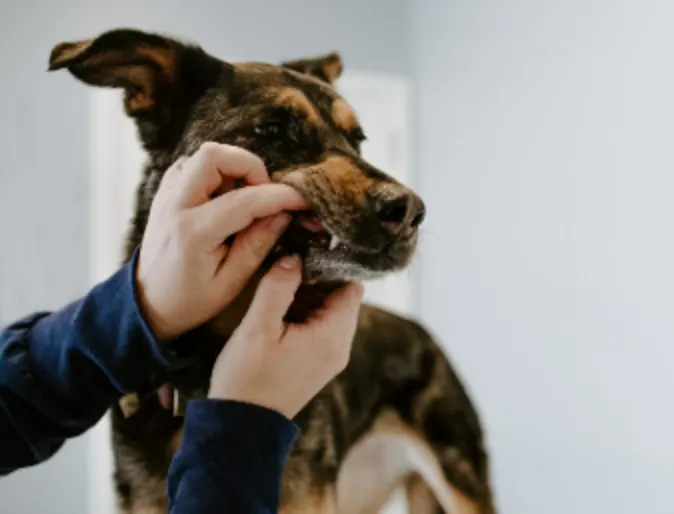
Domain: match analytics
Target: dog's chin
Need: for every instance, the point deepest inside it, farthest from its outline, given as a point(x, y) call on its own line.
point(346, 265)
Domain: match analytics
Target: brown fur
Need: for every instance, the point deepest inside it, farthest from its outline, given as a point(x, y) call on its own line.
point(343, 116)
point(308, 138)
point(294, 99)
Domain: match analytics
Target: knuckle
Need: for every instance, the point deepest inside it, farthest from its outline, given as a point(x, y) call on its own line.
point(176, 167)
point(257, 244)
point(275, 283)
point(268, 281)
point(244, 198)
point(257, 162)
point(252, 160)
point(208, 148)
point(207, 151)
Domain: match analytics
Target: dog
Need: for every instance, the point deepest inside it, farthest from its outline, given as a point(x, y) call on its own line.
point(398, 415)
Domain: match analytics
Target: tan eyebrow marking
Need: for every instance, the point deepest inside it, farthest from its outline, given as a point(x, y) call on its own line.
point(295, 99)
point(343, 116)
point(344, 175)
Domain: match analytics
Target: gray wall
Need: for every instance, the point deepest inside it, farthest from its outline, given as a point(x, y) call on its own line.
point(43, 146)
point(547, 162)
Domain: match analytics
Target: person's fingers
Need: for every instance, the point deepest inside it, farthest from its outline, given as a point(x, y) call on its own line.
point(249, 249)
point(169, 182)
point(274, 295)
point(232, 212)
point(173, 173)
point(214, 166)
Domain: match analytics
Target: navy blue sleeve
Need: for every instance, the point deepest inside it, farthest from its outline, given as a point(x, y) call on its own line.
point(231, 459)
point(60, 372)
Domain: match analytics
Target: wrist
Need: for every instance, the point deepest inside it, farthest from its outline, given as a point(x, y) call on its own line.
point(160, 329)
point(154, 319)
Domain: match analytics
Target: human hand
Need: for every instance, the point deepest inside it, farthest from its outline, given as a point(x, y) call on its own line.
point(186, 274)
point(283, 366)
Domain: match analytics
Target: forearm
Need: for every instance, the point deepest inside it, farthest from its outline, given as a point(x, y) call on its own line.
point(60, 372)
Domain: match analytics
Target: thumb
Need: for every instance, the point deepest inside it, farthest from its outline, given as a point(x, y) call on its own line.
point(274, 295)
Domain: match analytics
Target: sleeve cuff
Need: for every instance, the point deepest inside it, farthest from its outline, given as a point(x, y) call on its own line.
point(165, 354)
point(208, 419)
point(232, 457)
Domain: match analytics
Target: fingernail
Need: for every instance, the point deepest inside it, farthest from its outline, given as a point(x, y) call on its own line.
point(289, 262)
point(279, 222)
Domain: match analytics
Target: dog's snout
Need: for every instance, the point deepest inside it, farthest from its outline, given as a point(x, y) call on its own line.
point(401, 212)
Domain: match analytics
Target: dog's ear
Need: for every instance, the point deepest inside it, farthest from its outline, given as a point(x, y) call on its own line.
point(160, 76)
point(327, 68)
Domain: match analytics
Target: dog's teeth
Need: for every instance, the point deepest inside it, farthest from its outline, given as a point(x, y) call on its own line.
point(334, 242)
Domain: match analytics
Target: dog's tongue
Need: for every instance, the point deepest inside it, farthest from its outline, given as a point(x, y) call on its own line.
point(165, 395)
point(310, 222)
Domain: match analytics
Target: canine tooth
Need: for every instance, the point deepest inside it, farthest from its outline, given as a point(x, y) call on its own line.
point(334, 242)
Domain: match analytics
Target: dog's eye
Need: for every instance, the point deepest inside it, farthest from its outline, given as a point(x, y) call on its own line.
point(286, 130)
point(272, 128)
point(356, 138)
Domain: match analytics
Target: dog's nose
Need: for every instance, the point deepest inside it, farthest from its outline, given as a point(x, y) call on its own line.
point(400, 213)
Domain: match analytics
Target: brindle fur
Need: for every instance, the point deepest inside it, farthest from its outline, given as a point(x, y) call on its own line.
point(182, 97)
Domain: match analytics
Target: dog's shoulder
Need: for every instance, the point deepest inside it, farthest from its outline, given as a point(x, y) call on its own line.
point(377, 323)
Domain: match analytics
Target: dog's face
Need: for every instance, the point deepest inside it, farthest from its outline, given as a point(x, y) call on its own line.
point(363, 223)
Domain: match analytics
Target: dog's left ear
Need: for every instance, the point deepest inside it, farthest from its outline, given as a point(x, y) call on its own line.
point(161, 77)
point(327, 68)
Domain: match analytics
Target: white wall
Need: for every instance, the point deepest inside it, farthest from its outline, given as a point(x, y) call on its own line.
point(546, 149)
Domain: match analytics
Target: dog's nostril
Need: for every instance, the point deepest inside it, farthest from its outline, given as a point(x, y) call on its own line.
point(420, 215)
point(393, 213)
point(400, 213)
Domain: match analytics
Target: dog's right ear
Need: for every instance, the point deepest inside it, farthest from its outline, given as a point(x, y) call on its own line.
point(160, 76)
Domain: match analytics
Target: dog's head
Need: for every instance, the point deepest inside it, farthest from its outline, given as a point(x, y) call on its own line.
point(363, 223)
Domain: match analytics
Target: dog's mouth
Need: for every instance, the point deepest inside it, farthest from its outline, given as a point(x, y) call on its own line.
point(306, 235)
point(307, 231)
point(330, 260)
